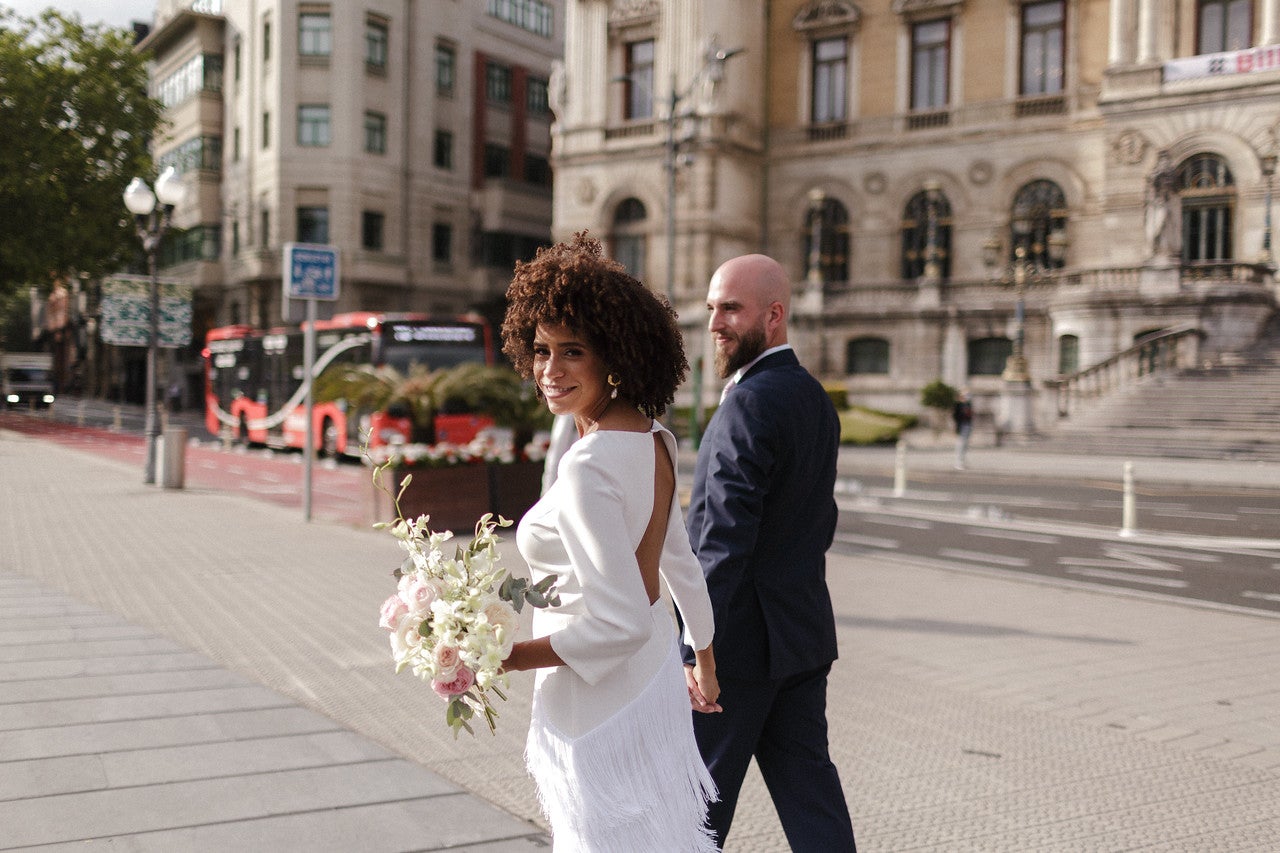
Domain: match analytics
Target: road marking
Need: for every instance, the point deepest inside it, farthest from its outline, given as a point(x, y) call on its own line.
point(867, 541)
point(1258, 510)
point(1104, 574)
point(913, 523)
point(1263, 596)
point(979, 557)
point(1017, 536)
point(1138, 559)
point(1202, 516)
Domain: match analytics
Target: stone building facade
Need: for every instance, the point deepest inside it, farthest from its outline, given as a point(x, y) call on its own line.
point(413, 135)
point(912, 161)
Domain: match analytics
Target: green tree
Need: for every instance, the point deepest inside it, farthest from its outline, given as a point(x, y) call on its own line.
point(76, 120)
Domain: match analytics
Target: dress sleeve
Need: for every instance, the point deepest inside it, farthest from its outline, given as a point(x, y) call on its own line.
point(614, 622)
point(682, 574)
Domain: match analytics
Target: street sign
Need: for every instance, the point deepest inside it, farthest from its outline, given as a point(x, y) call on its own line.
point(125, 312)
point(310, 271)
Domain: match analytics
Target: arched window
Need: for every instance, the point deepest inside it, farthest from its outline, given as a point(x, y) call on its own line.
point(630, 232)
point(867, 355)
point(927, 213)
point(987, 356)
point(1068, 354)
point(833, 244)
point(1206, 193)
point(1039, 212)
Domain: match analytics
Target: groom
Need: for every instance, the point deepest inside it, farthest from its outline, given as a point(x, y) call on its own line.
point(761, 519)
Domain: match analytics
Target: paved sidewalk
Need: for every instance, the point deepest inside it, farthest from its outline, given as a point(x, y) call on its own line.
point(193, 670)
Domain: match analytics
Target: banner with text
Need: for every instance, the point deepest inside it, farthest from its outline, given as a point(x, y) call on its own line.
point(125, 312)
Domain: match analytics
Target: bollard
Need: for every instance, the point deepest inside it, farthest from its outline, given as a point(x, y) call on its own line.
point(173, 458)
point(80, 413)
point(227, 436)
point(900, 470)
point(116, 425)
point(1128, 512)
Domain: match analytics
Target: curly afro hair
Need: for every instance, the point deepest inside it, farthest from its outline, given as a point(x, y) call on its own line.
point(633, 331)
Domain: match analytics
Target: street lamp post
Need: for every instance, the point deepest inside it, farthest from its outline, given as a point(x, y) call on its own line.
point(712, 71)
point(1021, 271)
point(1268, 171)
point(151, 223)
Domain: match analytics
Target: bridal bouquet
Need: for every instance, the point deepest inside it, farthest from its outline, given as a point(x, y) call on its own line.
point(453, 618)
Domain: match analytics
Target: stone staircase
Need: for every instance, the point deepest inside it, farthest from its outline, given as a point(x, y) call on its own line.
point(1230, 410)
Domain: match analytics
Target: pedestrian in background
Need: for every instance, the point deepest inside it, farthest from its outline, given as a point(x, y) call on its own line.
point(962, 414)
point(761, 519)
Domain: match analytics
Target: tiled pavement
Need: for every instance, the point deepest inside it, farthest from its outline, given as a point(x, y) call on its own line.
point(194, 670)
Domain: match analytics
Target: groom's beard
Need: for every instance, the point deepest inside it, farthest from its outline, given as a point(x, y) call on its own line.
point(750, 344)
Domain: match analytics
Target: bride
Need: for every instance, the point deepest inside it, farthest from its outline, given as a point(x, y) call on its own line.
point(611, 743)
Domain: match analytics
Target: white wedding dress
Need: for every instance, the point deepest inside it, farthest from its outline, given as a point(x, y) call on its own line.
point(611, 743)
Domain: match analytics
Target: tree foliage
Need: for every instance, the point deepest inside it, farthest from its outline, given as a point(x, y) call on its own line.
point(76, 119)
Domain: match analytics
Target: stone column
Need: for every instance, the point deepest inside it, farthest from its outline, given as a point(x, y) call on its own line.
point(1270, 22)
point(1149, 30)
point(1120, 46)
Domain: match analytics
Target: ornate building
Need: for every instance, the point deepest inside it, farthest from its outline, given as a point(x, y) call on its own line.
point(962, 189)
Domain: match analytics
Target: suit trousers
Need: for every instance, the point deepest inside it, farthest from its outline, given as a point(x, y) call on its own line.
point(783, 724)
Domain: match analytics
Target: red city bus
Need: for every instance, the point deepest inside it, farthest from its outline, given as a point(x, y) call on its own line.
point(253, 378)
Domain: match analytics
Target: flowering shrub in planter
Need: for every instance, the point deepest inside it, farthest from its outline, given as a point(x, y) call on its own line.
point(455, 484)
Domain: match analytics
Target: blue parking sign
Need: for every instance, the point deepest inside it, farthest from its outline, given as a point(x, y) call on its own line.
point(310, 271)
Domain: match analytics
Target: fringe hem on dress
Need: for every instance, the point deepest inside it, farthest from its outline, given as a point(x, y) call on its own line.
point(634, 784)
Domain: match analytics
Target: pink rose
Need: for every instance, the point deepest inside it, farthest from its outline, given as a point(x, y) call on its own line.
point(418, 595)
point(392, 609)
point(448, 660)
point(460, 684)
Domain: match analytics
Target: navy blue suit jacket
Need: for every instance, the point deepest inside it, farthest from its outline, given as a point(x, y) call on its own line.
point(762, 517)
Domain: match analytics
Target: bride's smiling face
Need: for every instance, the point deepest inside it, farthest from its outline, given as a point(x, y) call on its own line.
point(569, 372)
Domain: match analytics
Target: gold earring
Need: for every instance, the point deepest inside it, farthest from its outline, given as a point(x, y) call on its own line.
point(613, 383)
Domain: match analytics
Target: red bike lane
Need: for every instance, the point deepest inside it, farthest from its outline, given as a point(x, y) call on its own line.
point(341, 492)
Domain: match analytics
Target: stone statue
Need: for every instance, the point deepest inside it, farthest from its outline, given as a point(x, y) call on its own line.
point(558, 89)
point(1163, 215)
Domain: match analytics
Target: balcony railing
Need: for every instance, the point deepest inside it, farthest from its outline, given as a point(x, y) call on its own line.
point(1160, 352)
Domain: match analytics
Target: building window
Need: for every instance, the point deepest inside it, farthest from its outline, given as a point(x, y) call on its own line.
point(235, 145)
point(371, 227)
point(375, 45)
point(443, 150)
point(235, 237)
point(1068, 354)
point(266, 40)
point(197, 153)
point(537, 170)
point(830, 73)
point(375, 133)
point(536, 98)
point(442, 243)
point(315, 35)
point(264, 227)
point(1224, 25)
point(630, 236)
point(639, 80)
point(1206, 193)
point(930, 64)
point(446, 69)
point(313, 225)
point(987, 356)
point(867, 355)
point(1039, 212)
point(201, 73)
point(1042, 48)
point(497, 161)
point(923, 208)
point(235, 53)
point(533, 15)
point(313, 125)
point(266, 130)
point(833, 247)
point(497, 83)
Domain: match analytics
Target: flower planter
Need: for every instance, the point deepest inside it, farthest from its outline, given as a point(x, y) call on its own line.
point(456, 496)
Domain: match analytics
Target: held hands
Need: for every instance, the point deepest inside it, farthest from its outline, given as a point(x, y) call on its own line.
point(704, 689)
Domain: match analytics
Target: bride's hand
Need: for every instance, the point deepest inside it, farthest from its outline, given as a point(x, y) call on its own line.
point(704, 688)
